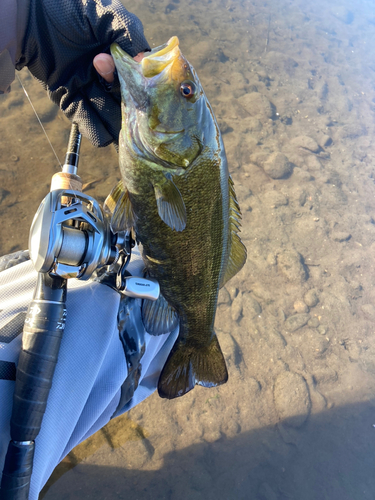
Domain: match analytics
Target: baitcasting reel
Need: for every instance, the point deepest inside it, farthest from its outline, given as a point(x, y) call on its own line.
point(71, 238)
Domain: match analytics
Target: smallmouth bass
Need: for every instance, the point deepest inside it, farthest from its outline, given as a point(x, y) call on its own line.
point(177, 195)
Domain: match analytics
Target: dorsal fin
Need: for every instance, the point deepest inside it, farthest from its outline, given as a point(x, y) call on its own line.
point(236, 249)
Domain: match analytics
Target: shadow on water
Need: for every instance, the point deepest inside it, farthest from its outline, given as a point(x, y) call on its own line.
point(330, 457)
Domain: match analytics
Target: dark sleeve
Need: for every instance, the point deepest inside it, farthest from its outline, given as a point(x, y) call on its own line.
point(8, 42)
point(61, 40)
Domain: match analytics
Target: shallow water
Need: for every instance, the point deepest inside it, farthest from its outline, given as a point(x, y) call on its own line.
point(296, 418)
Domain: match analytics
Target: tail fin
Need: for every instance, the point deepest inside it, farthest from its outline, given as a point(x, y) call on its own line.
point(188, 365)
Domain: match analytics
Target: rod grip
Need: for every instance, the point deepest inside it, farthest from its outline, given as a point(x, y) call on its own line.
point(15, 483)
point(42, 334)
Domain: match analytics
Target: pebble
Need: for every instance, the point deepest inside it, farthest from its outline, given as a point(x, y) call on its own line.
point(238, 79)
point(257, 105)
point(301, 176)
point(233, 291)
point(368, 310)
point(313, 163)
point(250, 306)
point(232, 428)
point(3, 194)
point(224, 127)
point(253, 386)
point(311, 298)
point(262, 292)
point(296, 322)
point(210, 436)
point(319, 346)
point(280, 63)
point(263, 76)
point(224, 297)
point(322, 330)
point(313, 322)
point(275, 199)
point(353, 130)
point(137, 454)
point(300, 307)
point(292, 399)
point(290, 264)
point(340, 236)
point(306, 143)
point(271, 259)
point(251, 125)
point(343, 14)
point(325, 375)
point(323, 93)
point(325, 141)
point(302, 198)
point(278, 166)
point(354, 350)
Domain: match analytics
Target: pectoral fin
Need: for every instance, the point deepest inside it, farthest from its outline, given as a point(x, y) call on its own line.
point(171, 206)
point(118, 204)
point(236, 249)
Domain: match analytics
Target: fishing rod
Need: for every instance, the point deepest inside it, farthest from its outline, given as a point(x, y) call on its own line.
point(69, 238)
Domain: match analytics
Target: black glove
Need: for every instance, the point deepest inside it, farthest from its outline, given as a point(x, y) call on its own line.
point(61, 40)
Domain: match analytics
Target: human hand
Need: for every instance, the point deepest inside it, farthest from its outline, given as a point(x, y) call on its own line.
point(61, 41)
point(105, 66)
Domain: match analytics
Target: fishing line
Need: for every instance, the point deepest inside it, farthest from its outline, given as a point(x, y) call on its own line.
point(71, 184)
point(40, 123)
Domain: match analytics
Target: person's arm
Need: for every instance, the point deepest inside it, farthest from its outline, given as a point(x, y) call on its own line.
point(8, 43)
point(59, 44)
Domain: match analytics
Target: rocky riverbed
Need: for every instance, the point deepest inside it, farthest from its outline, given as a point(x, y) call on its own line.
point(292, 86)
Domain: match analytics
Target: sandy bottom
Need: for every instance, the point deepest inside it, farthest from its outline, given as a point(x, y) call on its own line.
point(292, 88)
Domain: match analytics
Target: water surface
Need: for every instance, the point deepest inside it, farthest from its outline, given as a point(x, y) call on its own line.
point(291, 83)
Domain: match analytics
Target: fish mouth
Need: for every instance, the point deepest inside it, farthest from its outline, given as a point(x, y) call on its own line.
point(164, 63)
point(165, 60)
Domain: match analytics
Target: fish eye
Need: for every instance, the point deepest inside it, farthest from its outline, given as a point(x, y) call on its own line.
point(187, 89)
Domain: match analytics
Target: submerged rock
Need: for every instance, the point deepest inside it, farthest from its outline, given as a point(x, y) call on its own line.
point(292, 399)
point(296, 322)
point(278, 166)
point(340, 236)
point(250, 306)
point(311, 298)
point(258, 105)
point(290, 264)
point(306, 143)
point(300, 307)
